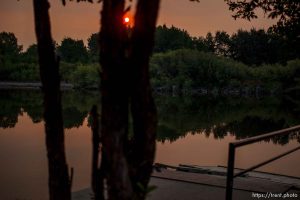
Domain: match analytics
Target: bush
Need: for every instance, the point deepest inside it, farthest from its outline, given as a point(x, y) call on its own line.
point(20, 72)
point(86, 76)
point(191, 69)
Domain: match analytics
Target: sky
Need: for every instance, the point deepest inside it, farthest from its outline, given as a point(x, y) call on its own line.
point(80, 20)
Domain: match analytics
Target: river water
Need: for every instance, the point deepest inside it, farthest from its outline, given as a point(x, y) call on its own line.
point(191, 130)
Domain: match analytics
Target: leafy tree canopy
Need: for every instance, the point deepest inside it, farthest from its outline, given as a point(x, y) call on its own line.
point(222, 43)
point(256, 47)
point(93, 47)
point(287, 13)
point(9, 48)
point(30, 55)
point(72, 50)
point(171, 38)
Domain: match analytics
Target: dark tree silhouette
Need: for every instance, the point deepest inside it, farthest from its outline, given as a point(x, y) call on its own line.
point(172, 38)
point(124, 59)
point(93, 47)
point(30, 55)
point(59, 183)
point(9, 48)
point(222, 43)
point(97, 174)
point(72, 51)
point(287, 14)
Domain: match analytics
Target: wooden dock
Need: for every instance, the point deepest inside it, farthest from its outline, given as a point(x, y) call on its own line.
point(210, 184)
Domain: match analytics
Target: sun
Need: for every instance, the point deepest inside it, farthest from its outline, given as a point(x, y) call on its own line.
point(126, 20)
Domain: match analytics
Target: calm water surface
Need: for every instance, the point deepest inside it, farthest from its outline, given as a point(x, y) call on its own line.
point(192, 130)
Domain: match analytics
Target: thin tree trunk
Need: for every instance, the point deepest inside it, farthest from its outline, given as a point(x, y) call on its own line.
point(59, 183)
point(97, 172)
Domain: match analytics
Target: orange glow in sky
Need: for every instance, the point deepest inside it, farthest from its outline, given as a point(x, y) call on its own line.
point(79, 21)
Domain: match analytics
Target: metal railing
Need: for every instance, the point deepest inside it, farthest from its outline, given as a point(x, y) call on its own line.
point(234, 145)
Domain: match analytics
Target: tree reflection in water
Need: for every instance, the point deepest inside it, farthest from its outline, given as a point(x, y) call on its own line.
point(219, 116)
point(97, 177)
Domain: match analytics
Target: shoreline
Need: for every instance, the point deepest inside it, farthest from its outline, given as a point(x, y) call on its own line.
point(31, 85)
point(174, 91)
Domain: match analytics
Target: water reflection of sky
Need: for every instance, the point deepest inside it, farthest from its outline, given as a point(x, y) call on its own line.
point(23, 168)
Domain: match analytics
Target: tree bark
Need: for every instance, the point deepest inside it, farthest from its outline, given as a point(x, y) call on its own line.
point(125, 83)
point(97, 172)
point(114, 107)
point(142, 104)
point(59, 183)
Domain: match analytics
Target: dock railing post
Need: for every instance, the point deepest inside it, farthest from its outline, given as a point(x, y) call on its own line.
point(230, 171)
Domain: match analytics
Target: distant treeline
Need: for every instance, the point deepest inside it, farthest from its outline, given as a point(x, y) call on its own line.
point(254, 47)
point(244, 60)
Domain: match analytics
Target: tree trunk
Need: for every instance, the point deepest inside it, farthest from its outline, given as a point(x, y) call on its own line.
point(59, 183)
point(97, 172)
point(114, 93)
point(142, 104)
point(125, 83)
